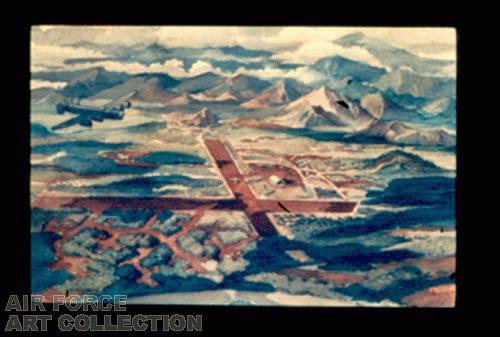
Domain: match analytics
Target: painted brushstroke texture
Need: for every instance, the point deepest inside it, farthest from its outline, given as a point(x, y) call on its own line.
point(290, 166)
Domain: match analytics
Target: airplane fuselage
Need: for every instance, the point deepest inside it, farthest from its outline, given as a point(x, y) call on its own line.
point(91, 112)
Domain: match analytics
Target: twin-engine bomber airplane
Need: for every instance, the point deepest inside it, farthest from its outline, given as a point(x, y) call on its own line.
point(88, 114)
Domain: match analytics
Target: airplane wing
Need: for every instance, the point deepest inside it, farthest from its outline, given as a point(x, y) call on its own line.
point(80, 120)
point(117, 102)
point(97, 118)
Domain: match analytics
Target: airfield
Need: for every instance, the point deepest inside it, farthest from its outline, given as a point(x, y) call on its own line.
point(209, 236)
point(228, 175)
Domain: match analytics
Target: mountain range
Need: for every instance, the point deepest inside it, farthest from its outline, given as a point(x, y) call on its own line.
point(340, 67)
point(152, 88)
point(237, 88)
point(392, 57)
point(323, 108)
point(400, 161)
point(400, 133)
point(281, 92)
point(403, 81)
point(91, 82)
point(199, 83)
point(382, 101)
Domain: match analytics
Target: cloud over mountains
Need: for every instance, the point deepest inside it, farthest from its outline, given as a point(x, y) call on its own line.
point(258, 68)
point(303, 45)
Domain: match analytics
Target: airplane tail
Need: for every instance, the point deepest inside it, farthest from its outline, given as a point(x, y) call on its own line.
point(61, 108)
point(125, 105)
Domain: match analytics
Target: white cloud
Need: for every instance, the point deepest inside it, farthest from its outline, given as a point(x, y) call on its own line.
point(130, 68)
point(435, 51)
point(410, 37)
point(271, 38)
point(449, 71)
point(35, 84)
point(54, 56)
point(200, 67)
point(303, 74)
point(302, 45)
point(220, 56)
point(175, 68)
point(312, 51)
point(66, 35)
point(172, 67)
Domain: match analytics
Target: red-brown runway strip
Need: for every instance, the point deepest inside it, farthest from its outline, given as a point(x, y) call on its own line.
point(245, 200)
point(256, 209)
point(101, 203)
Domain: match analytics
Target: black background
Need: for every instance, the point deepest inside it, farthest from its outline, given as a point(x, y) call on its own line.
point(15, 233)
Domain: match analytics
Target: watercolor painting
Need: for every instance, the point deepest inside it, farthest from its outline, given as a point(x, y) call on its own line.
point(231, 165)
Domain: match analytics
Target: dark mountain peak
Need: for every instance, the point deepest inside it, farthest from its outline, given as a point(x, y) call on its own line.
point(96, 70)
point(396, 126)
point(240, 87)
point(280, 92)
point(164, 81)
point(241, 51)
point(336, 59)
point(401, 160)
point(92, 81)
point(240, 78)
point(90, 74)
point(208, 74)
point(340, 67)
point(398, 153)
point(350, 38)
point(156, 50)
point(199, 83)
point(156, 46)
point(397, 132)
